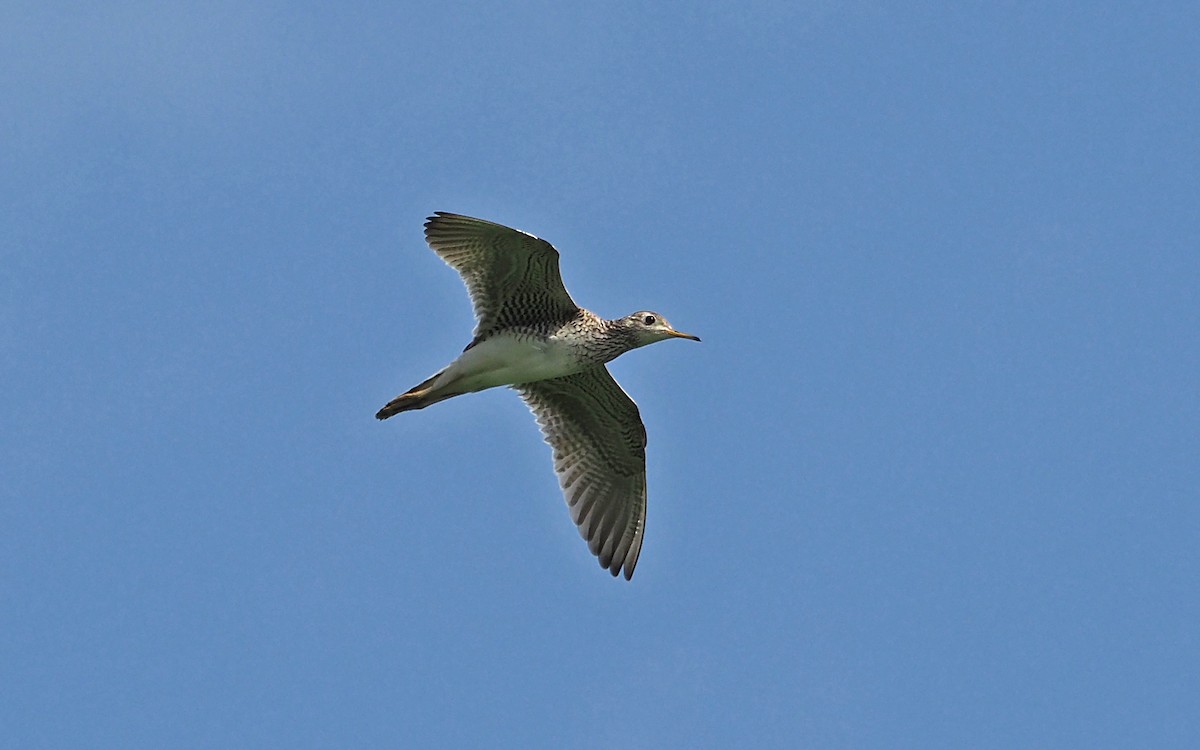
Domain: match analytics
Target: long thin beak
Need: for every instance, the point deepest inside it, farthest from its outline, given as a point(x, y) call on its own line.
point(679, 334)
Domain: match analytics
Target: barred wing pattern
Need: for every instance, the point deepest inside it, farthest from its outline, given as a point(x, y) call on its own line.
point(599, 447)
point(512, 277)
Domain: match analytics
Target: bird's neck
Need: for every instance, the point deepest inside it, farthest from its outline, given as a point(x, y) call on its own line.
point(620, 336)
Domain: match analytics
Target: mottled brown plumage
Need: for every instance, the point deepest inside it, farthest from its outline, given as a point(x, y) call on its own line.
point(531, 335)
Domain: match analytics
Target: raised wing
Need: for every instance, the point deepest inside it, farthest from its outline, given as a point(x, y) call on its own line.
point(600, 457)
point(512, 277)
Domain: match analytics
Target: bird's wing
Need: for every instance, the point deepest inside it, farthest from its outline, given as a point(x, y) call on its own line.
point(600, 457)
point(512, 277)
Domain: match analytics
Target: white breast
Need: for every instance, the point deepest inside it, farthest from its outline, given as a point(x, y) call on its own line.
point(506, 359)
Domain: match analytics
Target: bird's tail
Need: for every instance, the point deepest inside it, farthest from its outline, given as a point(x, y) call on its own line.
point(417, 397)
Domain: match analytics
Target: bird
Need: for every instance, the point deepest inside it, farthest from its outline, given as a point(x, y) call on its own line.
point(531, 336)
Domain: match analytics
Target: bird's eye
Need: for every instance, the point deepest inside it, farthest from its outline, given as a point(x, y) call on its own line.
point(648, 320)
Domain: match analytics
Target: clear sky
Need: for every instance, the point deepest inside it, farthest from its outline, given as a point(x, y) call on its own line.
point(932, 480)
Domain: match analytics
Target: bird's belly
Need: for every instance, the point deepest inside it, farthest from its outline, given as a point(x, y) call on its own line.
point(508, 359)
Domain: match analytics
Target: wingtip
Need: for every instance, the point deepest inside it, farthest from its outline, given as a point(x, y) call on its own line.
point(433, 219)
point(449, 215)
point(616, 568)
point(439, 216)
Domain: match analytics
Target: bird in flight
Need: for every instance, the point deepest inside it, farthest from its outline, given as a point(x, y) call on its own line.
point(530, 335)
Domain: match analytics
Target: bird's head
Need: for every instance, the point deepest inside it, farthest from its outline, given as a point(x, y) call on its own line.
point(648, 327)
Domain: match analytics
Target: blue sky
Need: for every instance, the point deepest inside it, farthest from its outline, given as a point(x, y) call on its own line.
point(931, 480)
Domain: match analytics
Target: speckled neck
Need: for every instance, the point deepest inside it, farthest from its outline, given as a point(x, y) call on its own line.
point(599, 340)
